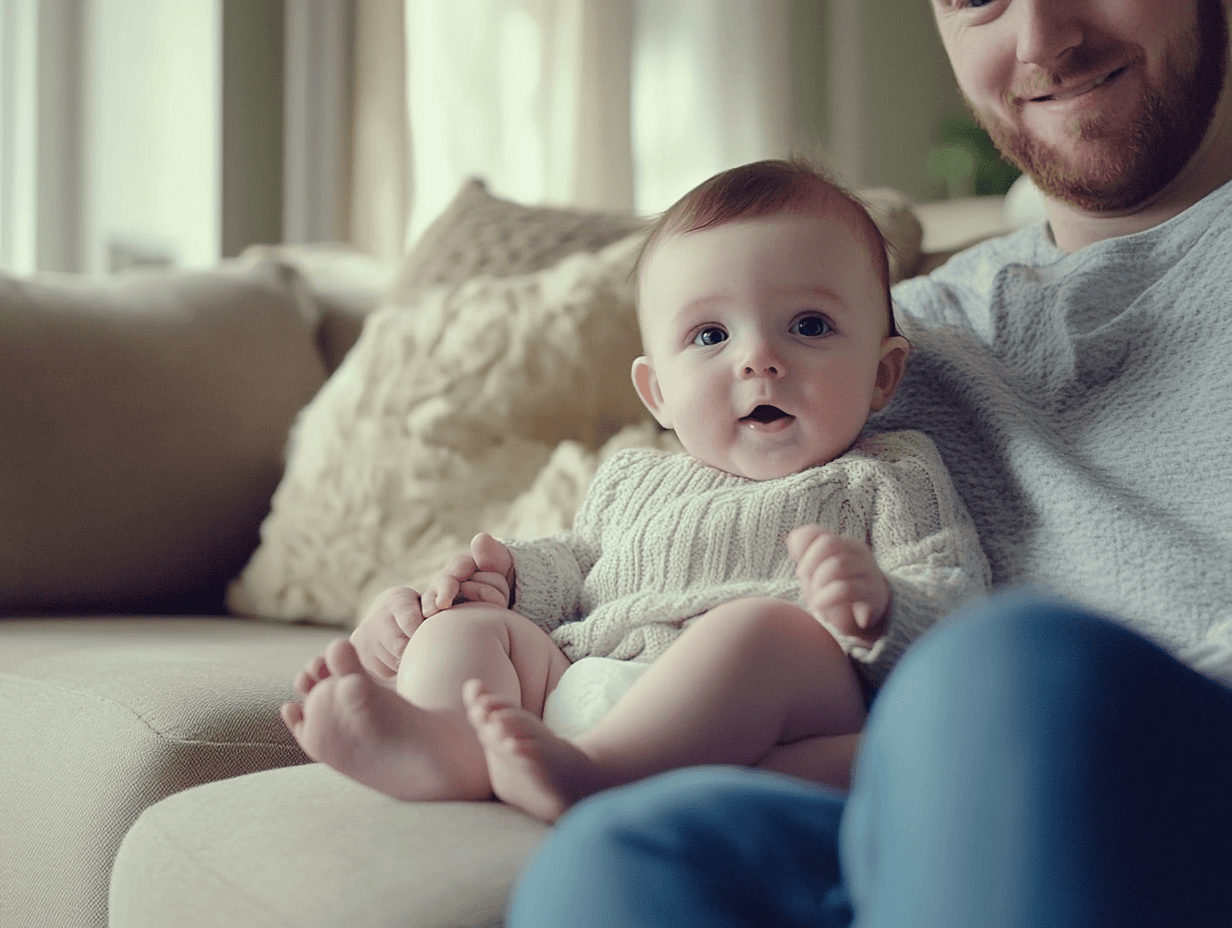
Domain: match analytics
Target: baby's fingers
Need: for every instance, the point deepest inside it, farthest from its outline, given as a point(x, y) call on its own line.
point(446, 586)
point(800, 538)
point(862, 613)
point(440, 594)
point(476, 591)
point(490, 555)
point(816, 556)
point(407, 613)
point(487, 587)
point(852, 606)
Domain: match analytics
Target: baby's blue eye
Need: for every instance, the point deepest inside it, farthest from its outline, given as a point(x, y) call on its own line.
point(711, 335)
point(811, 327)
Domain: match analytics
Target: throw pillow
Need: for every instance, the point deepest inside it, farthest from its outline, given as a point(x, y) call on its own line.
point(436, 422)
point(899, 225)
point(143, 419)
point(482, 235)
point(479, 234)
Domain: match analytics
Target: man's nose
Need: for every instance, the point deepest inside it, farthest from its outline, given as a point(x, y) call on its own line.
point(1047, 31)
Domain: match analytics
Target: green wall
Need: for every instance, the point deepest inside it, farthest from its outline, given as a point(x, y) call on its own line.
point(903, 90)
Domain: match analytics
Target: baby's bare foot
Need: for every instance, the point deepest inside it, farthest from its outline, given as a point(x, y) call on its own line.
point(337, 654)
point(323, 666)
point(529, 766)
point(371, 734)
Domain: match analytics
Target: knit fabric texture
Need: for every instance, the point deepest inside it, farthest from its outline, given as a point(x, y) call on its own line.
point(660, 539)
point(1083, 405)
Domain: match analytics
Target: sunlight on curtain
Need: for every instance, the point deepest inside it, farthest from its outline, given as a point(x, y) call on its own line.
point(711, 90)
point(598, 103)
point(17, 133)
point(509, 90)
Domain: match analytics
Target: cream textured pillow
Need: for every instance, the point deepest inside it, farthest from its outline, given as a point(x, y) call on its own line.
point(478, 234)
point(142, 425)
point(899, 225)
point(435, 423)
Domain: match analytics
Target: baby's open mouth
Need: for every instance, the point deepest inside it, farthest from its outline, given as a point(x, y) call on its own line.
point(764, 414)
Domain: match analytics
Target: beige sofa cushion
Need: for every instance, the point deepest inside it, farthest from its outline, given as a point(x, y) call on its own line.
point(347, 285)
point(306, 847)
point(143, 419)
point(104, 717)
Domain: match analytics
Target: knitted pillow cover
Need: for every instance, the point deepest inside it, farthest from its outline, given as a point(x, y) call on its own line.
point(435, 424)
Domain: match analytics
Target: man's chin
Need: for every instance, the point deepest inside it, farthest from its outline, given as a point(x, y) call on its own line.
point(1103, 179)
point(1105, 172)
point(1117, 162)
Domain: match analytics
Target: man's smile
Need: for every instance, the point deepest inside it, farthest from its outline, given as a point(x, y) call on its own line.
point(1077, 90)
point(1072, 90)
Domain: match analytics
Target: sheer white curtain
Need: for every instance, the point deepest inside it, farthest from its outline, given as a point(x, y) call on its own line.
point(712, 90)
point(596, 103)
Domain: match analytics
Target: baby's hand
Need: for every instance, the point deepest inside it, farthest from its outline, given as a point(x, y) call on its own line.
point(843, 586)
point(381, 637)
point(484, 575)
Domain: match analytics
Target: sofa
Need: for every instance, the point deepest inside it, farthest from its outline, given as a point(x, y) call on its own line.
point(204, 478)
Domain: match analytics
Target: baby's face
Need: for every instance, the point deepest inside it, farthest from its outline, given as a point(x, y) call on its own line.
point(766, 343)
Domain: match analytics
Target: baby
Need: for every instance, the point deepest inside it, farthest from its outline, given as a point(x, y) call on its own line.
point(770, 577)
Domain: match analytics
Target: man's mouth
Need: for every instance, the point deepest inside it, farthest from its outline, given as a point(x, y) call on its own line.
point(1080, 89)
point(767, 415)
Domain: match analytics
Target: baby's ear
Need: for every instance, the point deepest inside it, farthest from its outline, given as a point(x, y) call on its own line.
point(890, 370)
point(647, 385)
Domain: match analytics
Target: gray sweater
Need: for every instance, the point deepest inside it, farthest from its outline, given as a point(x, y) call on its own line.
point(661, 539)
point(1083, 405)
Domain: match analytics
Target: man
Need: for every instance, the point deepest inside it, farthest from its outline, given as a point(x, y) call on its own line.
point(1060, 756)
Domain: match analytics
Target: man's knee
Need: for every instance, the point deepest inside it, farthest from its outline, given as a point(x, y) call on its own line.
point(681, 802)
point(608, 846)
point(695, 808)
point(1031, 671)
point(723, 838)
point(1013, 645)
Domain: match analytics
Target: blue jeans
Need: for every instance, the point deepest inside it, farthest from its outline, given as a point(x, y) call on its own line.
point(1027, 764)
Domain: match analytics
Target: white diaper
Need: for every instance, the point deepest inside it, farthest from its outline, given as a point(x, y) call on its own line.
point(587, 689)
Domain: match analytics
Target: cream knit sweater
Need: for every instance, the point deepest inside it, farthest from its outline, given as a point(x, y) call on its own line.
point(661, 539)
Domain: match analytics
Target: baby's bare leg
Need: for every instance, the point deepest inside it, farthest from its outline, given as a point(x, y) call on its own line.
point(416, 743)
point(749, 676)
point(821, 758)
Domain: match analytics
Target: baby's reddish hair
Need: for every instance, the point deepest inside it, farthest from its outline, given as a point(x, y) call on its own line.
point(768, 188)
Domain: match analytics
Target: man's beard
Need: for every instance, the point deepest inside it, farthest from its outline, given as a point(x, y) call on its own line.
point(1118, 168)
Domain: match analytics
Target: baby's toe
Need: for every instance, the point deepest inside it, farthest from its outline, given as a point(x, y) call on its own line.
point(305, 680)
point(341, 658)
point(292, 715)
point(316, 671)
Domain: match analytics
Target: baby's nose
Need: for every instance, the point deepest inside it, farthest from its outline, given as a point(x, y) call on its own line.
point(760, 359)
point(761, 370)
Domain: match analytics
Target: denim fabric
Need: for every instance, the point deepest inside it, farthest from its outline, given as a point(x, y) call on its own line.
point(1028, 764)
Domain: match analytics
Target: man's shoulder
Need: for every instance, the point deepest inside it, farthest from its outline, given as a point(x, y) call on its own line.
point(1028, 245)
